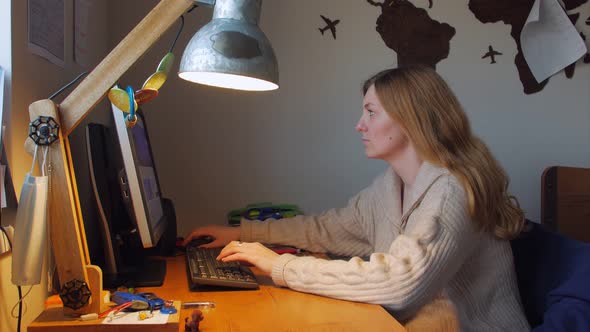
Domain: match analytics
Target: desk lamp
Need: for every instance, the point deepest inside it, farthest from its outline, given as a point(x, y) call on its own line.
point(230, 52)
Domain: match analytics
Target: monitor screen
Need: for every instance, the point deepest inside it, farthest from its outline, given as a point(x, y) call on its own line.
point(139, 181)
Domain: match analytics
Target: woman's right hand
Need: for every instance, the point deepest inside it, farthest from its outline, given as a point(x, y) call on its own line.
point(222, 235)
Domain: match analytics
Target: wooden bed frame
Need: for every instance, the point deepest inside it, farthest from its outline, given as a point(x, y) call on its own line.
point(565, 201)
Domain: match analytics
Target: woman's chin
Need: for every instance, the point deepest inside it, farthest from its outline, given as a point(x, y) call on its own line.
point(370, 155)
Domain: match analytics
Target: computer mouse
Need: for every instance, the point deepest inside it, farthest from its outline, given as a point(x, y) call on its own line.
point(200, 241)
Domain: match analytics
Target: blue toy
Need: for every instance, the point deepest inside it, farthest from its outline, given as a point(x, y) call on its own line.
point(151, 301)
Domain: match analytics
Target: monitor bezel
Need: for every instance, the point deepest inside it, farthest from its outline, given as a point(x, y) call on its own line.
point(150, 235)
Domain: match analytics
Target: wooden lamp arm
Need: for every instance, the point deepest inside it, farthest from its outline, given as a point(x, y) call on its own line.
point(66, 227)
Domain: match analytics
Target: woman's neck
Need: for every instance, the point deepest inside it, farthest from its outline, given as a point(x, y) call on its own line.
point(407, 166)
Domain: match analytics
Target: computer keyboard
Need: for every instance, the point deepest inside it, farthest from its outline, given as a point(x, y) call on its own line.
point(204, 270)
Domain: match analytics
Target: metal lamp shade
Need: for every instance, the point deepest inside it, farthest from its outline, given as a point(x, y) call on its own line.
point(231, 51)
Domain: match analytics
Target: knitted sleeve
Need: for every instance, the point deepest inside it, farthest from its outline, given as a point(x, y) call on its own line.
point(340, 231)
point(417, 266)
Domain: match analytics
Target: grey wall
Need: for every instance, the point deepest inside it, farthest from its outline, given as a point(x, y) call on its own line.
point(217, 150)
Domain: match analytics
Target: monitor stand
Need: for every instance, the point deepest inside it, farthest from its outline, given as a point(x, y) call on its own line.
point(150, 273)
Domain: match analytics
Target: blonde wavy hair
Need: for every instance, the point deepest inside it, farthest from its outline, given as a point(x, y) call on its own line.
point(429, 112)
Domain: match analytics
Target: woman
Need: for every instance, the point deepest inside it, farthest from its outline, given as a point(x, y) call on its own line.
point(436, 224)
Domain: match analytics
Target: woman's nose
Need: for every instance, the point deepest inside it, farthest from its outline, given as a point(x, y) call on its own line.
point(360, 127)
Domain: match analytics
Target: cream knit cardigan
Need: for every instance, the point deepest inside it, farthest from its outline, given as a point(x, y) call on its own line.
point(440, 254)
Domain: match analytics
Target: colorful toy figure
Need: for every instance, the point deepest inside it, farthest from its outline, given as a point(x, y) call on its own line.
point(128, 100)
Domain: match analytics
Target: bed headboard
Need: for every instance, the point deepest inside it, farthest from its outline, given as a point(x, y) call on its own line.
point(565, 201)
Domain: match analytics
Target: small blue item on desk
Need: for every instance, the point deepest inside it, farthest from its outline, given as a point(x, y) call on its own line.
point(124, 297)
point(168, 310)
point(152, 300)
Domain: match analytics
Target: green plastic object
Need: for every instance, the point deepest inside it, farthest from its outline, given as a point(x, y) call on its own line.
point(262, 211)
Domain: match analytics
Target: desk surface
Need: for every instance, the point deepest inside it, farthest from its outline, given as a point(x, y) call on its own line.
point(272, 308)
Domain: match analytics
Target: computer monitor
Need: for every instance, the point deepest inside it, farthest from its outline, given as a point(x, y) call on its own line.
point(139, 183)
point(133, 222)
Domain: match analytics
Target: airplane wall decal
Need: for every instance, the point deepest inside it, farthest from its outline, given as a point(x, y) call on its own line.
point(491, 54)
point(329, 25)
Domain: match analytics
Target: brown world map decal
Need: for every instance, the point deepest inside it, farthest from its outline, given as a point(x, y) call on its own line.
point(416, 38)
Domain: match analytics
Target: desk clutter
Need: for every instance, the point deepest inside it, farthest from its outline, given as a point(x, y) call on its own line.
point(268, 309)
point(146, 311)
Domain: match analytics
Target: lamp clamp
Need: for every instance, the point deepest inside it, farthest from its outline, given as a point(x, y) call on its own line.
point(75, 294)
point(44, 130)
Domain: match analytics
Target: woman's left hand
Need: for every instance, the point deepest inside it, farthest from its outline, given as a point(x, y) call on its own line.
point(253, 253)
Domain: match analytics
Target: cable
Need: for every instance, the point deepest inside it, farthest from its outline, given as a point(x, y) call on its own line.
point(178, 33)
point(181, 27)
point(192, 8)
point(67, 85)
point(20, 308)
point(20, 291)
point(20, 303)
point(8, 238)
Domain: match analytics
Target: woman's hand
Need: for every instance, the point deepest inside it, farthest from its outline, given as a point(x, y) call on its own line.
point(222, 235)
point(253, 253)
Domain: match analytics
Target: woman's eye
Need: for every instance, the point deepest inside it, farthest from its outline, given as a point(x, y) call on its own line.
point(371, 113)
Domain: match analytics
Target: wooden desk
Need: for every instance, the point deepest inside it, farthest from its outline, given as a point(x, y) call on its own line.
point(272, 308)
point(269, 308)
